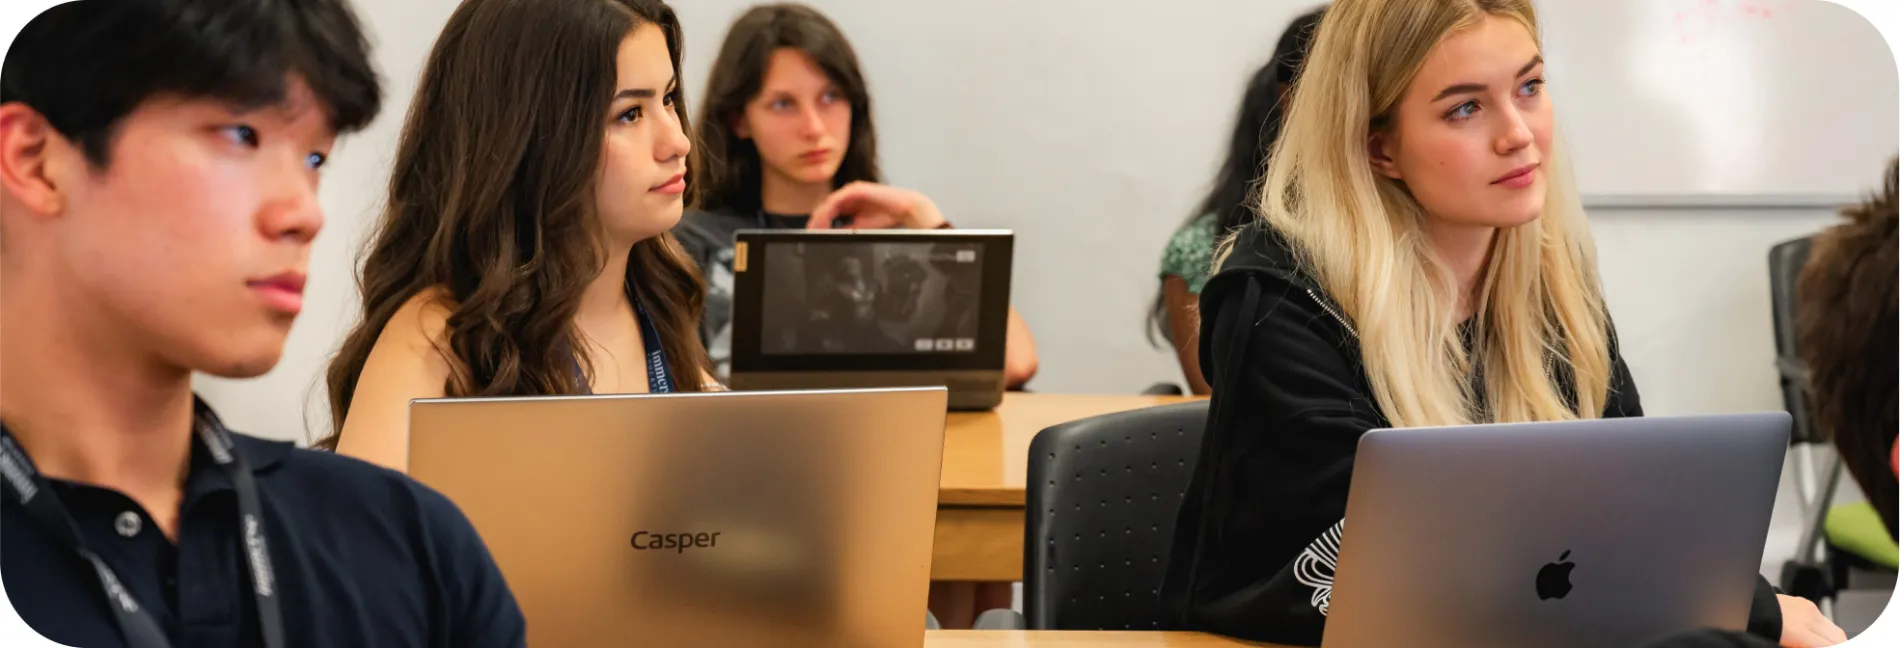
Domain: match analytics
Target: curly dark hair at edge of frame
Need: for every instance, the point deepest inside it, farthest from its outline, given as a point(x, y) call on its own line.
point(1847, 318)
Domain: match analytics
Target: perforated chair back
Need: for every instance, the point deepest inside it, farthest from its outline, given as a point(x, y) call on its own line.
point(1103, 493)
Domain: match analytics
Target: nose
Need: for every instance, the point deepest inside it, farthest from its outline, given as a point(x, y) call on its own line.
point(814, 123)
point(1514, 132)
point(672, 143)
point(291, 211)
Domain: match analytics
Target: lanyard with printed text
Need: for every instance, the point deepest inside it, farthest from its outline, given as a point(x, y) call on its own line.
point(24, 484)
point(659, 377)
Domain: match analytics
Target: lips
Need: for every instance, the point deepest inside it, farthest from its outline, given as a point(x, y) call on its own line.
point(673, 186)
point(815, 156)
point(282, 292)
point(1518, 177)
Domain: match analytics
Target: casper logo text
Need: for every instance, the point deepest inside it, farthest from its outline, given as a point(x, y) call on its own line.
point(680, 542)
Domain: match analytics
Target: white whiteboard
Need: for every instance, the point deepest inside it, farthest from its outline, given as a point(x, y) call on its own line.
point(1664, 101)
point(1714, 99)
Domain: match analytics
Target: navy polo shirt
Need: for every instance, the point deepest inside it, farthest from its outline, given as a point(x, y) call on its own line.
point(364, 557)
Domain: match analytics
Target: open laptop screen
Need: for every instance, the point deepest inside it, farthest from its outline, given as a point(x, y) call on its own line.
point(883, 300)
point(871, 298)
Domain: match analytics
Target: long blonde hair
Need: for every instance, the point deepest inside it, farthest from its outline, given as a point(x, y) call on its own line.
point(1539, 309)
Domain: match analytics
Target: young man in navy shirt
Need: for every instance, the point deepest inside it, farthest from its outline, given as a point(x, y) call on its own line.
point(159, 162)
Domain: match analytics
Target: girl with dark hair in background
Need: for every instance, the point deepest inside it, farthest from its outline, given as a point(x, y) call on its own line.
point(524, 249)
point(786, 141)
point(1190, 253)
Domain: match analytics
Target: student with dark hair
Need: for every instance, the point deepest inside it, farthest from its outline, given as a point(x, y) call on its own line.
point(1848, 321)
point(786, 141)
point(524, 250)
point(159, 162)
point(1189, 257)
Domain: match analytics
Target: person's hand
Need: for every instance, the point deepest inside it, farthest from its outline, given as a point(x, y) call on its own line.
point(1803, 625)
point(875, 206)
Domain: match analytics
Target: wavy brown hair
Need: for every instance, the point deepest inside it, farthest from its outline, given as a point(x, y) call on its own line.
point(1847, 319)
point(492, 202)
point(727, 165)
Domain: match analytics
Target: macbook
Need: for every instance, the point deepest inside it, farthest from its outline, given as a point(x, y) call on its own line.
point(1578, 534)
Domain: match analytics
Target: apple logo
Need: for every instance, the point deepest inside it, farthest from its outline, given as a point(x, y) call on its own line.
point(1553, 581)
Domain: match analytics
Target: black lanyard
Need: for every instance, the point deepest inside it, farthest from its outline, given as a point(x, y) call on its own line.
point(25, 485)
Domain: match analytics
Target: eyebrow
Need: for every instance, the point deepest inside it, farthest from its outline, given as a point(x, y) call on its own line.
point(643, 93)
point(284, 109)
point(1468, 88)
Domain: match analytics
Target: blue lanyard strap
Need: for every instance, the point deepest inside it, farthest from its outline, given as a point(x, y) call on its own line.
point(659, 378)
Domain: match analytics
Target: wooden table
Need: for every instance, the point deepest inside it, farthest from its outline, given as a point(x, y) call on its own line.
point(985, 464)
point(997, 639)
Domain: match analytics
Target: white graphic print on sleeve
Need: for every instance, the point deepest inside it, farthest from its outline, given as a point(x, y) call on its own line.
point(1315, 566)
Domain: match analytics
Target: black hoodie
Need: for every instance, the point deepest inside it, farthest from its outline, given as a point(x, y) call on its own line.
point(1258, 533)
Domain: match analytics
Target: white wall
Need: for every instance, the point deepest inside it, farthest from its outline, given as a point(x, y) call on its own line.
point(1689, 291)
point(1090, 128)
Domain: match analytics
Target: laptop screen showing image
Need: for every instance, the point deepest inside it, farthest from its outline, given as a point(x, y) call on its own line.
point(877, 298)
point(870, 300)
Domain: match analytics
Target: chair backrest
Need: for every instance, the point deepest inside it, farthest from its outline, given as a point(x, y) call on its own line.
point(1103, 493)
point(1785, 262)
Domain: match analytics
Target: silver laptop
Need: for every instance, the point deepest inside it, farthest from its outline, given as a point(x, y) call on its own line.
point(737, 519)
point(1577, 534)
point(872, 308)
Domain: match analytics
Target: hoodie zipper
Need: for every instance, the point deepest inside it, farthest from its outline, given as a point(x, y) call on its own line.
point(1329, 311)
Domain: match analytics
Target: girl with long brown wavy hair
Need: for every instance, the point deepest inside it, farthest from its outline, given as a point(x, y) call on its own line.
point(523, 250)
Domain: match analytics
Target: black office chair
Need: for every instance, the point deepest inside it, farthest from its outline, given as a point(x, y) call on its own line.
point(1785, 262)
point(1806, 575)
point(1102, 497)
